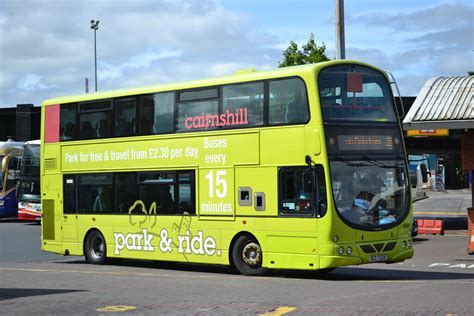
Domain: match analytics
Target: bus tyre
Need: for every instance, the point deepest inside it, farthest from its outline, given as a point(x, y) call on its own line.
point(95, 249)
point(247, 256)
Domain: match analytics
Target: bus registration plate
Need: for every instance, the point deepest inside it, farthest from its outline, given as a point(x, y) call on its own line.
point(378, 258)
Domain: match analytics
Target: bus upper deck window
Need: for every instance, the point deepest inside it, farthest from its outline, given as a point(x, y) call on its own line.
point(288, 102)
point(67, 122)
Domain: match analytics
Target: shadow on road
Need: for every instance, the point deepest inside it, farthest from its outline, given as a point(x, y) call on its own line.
point(367, 274)
point(339, 274)
point(9, 293)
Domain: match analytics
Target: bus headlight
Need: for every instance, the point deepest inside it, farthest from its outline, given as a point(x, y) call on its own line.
point(409, 243)
point(349, 250)
point(340, 250)
point(404, 244)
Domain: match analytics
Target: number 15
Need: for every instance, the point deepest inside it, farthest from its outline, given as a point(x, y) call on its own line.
point(220, 182)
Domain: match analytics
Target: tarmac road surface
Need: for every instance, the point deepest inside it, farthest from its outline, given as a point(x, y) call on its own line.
point(438, 281)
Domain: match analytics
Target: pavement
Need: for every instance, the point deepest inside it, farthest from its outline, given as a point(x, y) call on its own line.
point(449, 205)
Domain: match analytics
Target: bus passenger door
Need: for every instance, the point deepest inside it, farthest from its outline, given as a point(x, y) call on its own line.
point(69, 214)
point(51, 213)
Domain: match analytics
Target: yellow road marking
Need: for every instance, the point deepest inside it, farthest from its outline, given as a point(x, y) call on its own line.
point(280, 311)
point(440, 213)
point(116, 308)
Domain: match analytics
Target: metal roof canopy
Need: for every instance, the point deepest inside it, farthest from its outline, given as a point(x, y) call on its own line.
point(443, 102)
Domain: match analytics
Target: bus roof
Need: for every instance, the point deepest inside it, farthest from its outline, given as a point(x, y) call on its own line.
point(9, 146)
point(238, 76)
point(33, 142)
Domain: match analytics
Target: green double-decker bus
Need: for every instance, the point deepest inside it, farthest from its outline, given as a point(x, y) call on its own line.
point(296, 168)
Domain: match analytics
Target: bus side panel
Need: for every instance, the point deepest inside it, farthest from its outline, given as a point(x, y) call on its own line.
point(282, 146)
point(51, 183)
point(292, 244)
point(257, 182)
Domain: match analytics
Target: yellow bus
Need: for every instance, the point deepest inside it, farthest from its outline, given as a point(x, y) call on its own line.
point(296, 168)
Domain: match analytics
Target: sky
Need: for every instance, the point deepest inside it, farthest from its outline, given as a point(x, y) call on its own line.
point(47, 46)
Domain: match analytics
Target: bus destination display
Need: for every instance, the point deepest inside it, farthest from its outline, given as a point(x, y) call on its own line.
point(365, 142)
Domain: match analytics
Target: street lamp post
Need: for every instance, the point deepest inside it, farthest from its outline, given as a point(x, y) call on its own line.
point(95, 27)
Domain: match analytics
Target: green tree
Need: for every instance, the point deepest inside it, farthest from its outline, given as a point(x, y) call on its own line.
point(311, 53)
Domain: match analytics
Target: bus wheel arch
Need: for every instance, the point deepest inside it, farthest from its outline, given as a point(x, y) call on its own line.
point(95, 247)
point(246, 255)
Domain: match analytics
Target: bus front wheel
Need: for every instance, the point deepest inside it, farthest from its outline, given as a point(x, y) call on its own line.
point(247, 256)
point(95, 249)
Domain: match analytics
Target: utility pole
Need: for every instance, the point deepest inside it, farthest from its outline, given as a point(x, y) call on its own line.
point(95, 27)
point(340, 36)
point(87, 84)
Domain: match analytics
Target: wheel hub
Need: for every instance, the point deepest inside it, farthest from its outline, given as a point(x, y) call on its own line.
point(252, 254)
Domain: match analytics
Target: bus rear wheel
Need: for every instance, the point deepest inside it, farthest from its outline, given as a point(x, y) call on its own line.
point(247, 256)
point(95, 248)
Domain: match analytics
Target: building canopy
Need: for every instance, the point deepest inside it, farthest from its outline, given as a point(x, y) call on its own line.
point(443, 103)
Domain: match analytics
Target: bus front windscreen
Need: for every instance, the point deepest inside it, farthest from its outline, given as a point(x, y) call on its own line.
point(365, 147)
point(30, 161)
point(370, 194)
point(1, 173)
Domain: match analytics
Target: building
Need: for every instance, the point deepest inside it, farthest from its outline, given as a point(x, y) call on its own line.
point(441, 122)
point(21, 123)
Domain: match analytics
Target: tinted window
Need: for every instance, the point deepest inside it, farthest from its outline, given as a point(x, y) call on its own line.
point(67, 122)
point(158, 188)
point(302, 190)
point(69, 194)
point(243, 105)
point(125, 121)
point(95, 120)
point(355, 93)
point(96, 194)
point(288, 103)
point(125, 191)
point(166, 192)
point(157, 113)
point(198, 94)
point(186, 193)
point(200, 115)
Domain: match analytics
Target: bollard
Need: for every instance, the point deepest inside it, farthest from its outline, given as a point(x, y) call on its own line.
point(430, 226)
point(470, 230)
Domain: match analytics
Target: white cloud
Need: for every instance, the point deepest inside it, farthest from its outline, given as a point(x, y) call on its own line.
point(31, 82)
point(47, 50)
point(144, 60)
